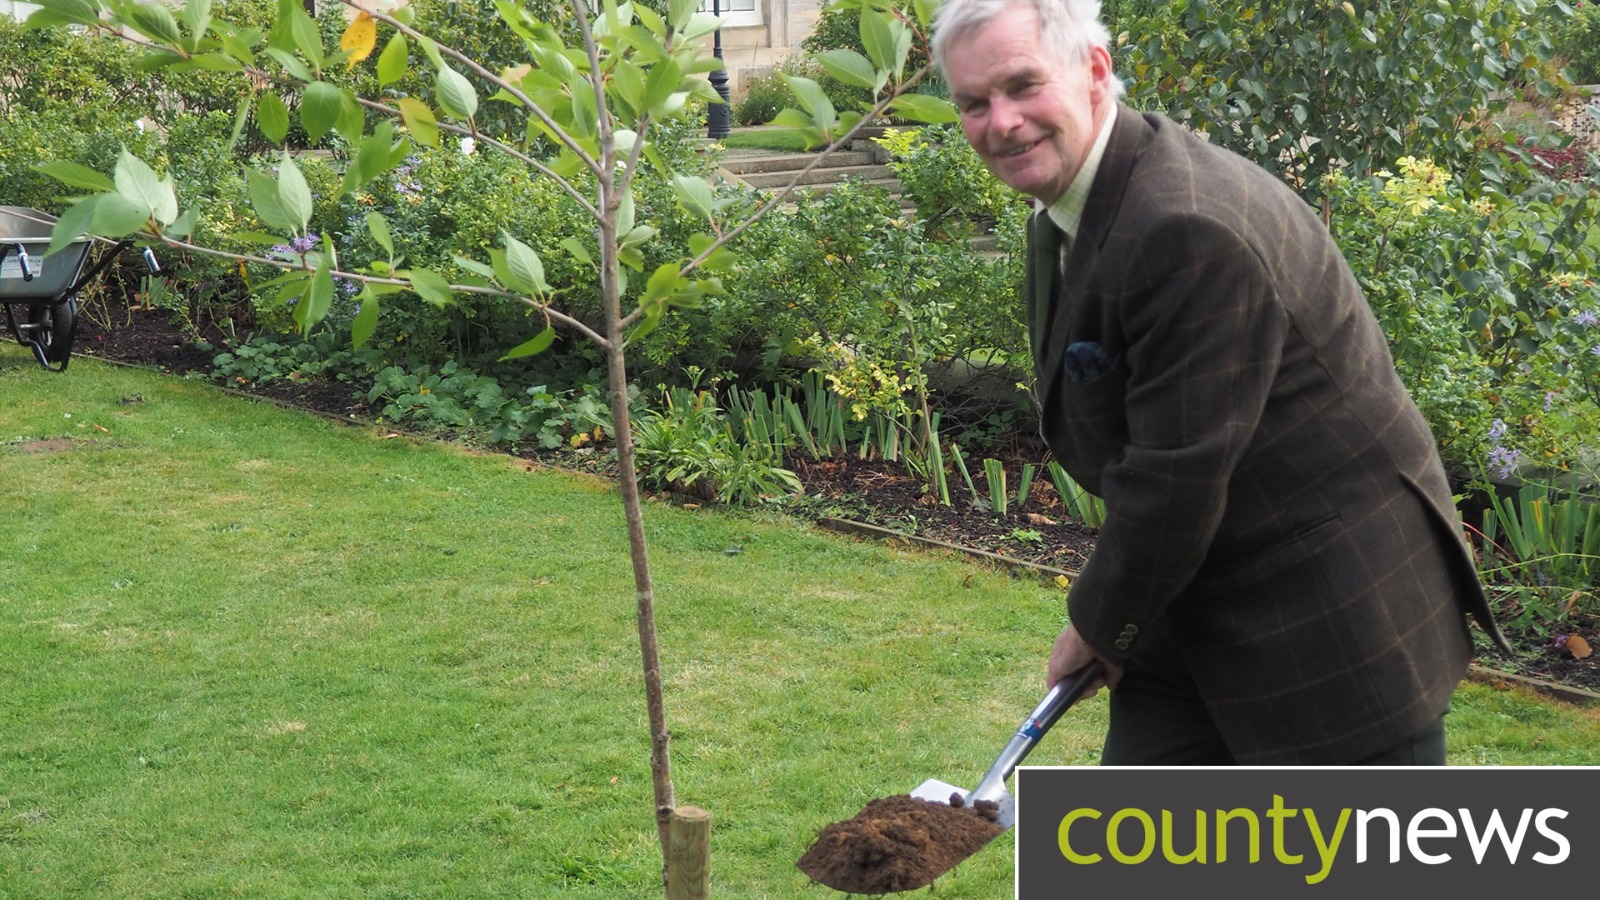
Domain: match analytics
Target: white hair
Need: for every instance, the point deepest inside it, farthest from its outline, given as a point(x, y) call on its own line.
point(1069, 29)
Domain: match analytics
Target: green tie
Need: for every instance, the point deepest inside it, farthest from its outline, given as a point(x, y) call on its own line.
point(1044, 279)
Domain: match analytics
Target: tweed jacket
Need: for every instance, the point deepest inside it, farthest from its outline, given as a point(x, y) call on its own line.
point(1209, 366)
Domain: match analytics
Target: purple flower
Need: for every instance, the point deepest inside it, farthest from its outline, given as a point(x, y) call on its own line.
point(1585, 318)
point(305, 244)
point(1595, 350)
point(1497, 430)
point(1504, 461)
point(1549, 400)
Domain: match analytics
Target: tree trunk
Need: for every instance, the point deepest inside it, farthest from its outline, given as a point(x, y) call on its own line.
point(660, 757)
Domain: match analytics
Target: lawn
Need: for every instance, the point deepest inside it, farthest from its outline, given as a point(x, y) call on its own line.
point(250, 652)
point(785, 140)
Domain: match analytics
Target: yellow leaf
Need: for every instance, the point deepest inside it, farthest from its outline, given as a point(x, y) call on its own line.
point(1577, 647)
point(1063, 582)
point(359, 39)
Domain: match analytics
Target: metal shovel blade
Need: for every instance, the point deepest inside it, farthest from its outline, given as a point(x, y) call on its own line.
point(992, 788)
point(935, 791)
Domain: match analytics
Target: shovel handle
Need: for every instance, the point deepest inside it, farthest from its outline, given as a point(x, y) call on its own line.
point(1058, 700)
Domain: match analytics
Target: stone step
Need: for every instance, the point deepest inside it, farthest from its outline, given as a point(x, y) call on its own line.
point(789, 162)
point(822, 175)
point(822, 190)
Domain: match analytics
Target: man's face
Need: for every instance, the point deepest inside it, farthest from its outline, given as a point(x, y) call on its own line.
point(1031, 119)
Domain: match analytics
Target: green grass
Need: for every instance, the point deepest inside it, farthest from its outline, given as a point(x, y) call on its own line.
point(250, 652)
point(787, 140)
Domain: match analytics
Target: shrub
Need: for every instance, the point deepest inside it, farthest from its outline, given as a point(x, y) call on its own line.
point(1577, 42)
point(1369, 82)
point(952, 188)
point(1490, 311)
point(765, 96)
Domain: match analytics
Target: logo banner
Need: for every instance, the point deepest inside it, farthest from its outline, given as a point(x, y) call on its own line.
point(1287, 832)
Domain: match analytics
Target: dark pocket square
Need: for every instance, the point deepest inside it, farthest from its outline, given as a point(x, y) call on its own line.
point(1086, 361)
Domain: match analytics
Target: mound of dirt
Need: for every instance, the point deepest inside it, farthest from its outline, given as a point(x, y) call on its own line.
point(897, 844)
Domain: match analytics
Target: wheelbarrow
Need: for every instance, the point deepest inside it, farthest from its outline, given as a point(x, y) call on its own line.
point(46, 287)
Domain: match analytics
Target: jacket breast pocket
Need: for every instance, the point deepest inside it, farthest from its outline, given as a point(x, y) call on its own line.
point(1098, 402)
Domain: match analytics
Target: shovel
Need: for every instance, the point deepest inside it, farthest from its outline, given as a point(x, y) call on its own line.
point(992, 788)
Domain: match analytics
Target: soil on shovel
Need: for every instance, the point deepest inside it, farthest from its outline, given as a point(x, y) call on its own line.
point(898, 843)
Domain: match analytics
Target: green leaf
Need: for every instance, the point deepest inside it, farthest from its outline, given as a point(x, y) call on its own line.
point(269, 207)
point(272, 115)
point(373, 157)
point(419, 118)
point(352, 119)
point(878, 38)
point(694, 195)
point(75, 175)
point(64, 12)
point(77, 220)
point(378, 227)
point(850, 67)
point(579, 252)
point(791, 118)
point(700, 25)
point(431, 287)
point(525, 265)
point(537, 344)
point(117, 216)
point(661, 84)
point(258, 237)
point(924, 108)
point(625, 209)
point(680, 11)
point(320, 107)
point(366, 317)
point(585, 120)
point(138, 182)
point(291, 64)
point(197, 16)
point(813, 100)
point(306, 36)
point(294, 193)
point(456, 94)
point(314, 306)
point(475, 267)
point(183, 226)
point(211, 62)
point(638, 235)
point(627, 84)
point(155, 21)
point(664, 281)
point(431, 48)
point(392, 61)
point(720, 260)
point(516, 18)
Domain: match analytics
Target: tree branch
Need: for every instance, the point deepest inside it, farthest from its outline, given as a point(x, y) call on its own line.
point(489, 76)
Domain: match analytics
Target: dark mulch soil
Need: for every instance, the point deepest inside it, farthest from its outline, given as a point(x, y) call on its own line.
point(872, 491)
point(897, 844)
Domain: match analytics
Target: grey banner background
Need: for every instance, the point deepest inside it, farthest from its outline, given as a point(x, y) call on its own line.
point(1046, 795)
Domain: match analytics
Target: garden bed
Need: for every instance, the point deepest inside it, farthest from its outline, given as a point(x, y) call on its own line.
point(872, 497)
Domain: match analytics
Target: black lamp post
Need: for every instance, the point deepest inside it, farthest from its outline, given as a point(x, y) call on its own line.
point(718, 115)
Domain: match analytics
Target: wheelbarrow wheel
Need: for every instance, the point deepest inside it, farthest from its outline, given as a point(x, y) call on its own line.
point(53, 327)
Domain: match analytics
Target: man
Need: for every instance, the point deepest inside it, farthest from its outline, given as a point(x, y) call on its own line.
point(1281, 578)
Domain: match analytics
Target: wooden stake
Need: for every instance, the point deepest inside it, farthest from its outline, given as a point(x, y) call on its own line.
point(689, 854)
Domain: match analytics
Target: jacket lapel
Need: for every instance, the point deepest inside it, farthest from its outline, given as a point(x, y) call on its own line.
point(1111, 180)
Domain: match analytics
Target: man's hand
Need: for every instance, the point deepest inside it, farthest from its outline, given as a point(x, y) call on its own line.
point(1071, 653)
